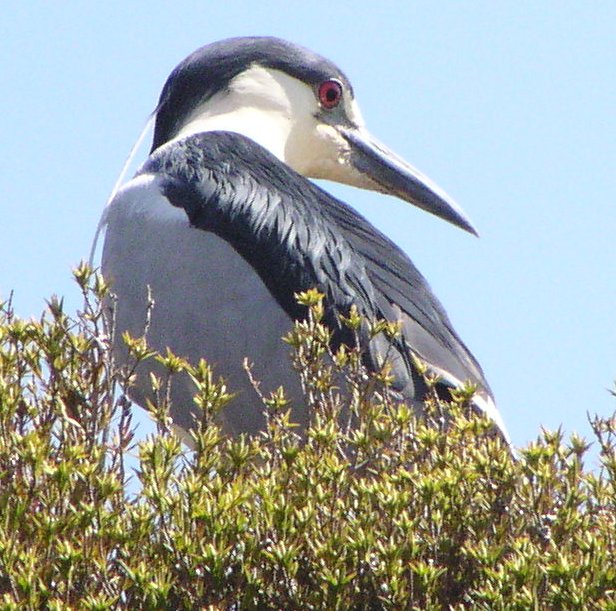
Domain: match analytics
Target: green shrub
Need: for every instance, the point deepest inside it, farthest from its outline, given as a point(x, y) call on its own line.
point(369, 508)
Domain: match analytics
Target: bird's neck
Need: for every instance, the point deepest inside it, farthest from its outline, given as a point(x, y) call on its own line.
point(259, 104)
point(267, 129)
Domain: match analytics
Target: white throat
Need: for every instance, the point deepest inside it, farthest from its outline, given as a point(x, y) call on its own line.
point(260, 103)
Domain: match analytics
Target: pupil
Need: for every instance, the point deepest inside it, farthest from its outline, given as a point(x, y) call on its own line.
point(330, 94)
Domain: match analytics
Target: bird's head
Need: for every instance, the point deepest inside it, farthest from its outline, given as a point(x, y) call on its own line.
point(299, 106)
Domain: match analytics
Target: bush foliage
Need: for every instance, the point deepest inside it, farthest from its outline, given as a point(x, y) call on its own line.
point(369, 508)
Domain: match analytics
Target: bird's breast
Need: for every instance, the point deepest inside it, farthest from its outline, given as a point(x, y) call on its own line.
point(208, 301)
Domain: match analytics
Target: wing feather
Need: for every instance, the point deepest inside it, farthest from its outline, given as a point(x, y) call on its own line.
point(297, 236)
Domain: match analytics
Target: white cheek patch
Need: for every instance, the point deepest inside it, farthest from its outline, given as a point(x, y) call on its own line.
point(316, 150)
point(262, 104)
point(327, 155)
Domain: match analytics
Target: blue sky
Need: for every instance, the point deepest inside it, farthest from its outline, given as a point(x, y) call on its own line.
point(509, 106)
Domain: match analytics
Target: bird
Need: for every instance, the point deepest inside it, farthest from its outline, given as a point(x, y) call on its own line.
point(222, 226)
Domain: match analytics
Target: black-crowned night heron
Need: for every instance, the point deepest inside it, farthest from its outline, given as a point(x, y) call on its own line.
point(224, 227)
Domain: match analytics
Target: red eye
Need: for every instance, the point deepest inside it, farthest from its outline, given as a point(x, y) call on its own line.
point(330, 93)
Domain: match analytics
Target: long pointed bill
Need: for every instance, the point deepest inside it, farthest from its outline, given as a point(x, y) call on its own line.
point(394, 176)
